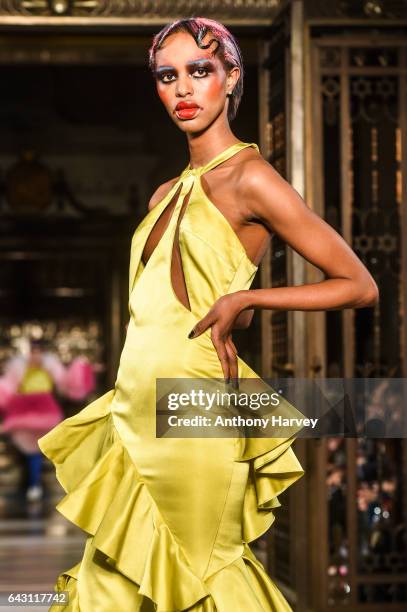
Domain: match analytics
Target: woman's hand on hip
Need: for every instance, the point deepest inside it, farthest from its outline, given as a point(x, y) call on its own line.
point(221, 318)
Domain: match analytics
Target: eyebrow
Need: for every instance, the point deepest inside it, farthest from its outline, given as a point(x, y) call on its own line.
point(197, 62)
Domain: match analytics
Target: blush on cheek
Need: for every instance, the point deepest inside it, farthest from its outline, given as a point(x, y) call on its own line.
point(163, 94)
point(214, 90)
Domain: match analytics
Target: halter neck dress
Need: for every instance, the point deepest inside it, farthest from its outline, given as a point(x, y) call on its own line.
point(169, 521)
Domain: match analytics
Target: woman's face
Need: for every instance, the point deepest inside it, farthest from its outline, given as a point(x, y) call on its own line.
point(192, 82)
point(35, 356)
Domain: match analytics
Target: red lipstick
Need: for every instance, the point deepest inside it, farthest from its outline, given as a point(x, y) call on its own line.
point(186, 110)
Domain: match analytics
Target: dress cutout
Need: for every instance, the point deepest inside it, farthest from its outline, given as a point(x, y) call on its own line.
point(154, 237)
point(169, 521)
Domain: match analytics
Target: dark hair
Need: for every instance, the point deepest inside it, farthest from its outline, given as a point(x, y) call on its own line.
point(227, 45)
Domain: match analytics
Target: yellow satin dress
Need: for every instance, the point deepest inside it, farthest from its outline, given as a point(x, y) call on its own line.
point(169, 521)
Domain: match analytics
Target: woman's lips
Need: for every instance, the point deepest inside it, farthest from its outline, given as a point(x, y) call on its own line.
point(186, 111)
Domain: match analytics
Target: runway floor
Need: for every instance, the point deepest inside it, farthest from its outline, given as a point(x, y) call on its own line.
point(36, 544)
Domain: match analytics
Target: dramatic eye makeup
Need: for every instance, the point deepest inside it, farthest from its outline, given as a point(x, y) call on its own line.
point(197, 68)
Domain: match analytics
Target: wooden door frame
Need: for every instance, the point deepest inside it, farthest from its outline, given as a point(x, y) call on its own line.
point(296, 272)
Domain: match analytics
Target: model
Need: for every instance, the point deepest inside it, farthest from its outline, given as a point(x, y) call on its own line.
point(169, 521)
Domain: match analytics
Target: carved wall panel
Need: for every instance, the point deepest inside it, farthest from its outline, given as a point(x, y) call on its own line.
point(356, 9)
point(144, 10)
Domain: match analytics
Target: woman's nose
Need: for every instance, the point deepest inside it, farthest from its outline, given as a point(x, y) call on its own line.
point(184, 86)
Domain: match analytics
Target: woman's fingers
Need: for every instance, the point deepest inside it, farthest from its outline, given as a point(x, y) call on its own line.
point(227, 354)
point(233, 365)
point(233, 344)
point(202, 325)
point(220, 347)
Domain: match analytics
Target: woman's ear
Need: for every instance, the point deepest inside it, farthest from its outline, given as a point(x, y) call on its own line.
point(232, 79)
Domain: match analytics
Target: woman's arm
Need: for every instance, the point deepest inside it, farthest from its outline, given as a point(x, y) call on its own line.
point(279, 207)
point(272, 201)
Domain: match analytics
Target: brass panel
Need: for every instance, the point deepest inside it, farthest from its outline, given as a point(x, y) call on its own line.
point(133, 12)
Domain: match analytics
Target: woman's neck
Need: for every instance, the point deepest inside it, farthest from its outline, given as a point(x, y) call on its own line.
point(208, 144)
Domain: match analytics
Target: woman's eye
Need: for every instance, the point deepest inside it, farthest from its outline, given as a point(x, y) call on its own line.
point(167, 77)
point(200, 72)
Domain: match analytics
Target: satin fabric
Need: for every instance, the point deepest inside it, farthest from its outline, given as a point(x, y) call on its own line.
point(169, 521)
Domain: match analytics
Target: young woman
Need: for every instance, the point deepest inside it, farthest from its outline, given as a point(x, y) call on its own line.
point(169, 521)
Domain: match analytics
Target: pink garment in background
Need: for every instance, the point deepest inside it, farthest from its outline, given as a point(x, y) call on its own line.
point(28, 416)
point(79, 379)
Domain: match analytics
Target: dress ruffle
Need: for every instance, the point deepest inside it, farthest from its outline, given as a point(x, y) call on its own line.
point(271, 472)
point(107, 498)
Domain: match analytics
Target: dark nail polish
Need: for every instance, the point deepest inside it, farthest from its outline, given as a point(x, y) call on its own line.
point(191, 333)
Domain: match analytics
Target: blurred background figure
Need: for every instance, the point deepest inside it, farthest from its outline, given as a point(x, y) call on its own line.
point(28, 403)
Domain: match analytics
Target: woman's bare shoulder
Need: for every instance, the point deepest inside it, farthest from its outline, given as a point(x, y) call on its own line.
point(257, 177)
point(248, 170)
point(268, 196)
point(160, 193)
point(254, 169)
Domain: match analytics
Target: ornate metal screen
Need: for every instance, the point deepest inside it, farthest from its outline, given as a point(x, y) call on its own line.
point(360, 96)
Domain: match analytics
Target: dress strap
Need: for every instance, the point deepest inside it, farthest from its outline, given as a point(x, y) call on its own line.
point(223, 156)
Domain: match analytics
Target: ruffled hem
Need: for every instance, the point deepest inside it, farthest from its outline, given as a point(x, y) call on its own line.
point(273, 467)
point(107, 498)
point(241, 586)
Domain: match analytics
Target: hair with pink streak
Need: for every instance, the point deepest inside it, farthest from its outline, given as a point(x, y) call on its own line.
point(227, 47)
